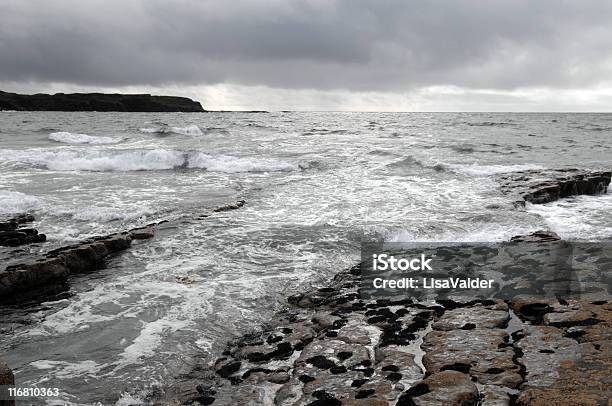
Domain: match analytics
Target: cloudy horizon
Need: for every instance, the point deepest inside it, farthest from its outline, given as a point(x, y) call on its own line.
point(318, 55)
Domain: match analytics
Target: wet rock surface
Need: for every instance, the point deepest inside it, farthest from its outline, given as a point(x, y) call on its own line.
point(49, 275)
point(6, 378)
point(544, 186)
point(567, 354)
point(334, 347)
point(537, 236)
point(13, 232)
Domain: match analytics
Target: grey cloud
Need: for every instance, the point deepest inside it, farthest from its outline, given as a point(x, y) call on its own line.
point(391, 45)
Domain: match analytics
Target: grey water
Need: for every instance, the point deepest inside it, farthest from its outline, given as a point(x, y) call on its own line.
point(314, 184)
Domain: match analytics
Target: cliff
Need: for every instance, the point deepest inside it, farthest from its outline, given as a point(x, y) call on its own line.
point(97, 102)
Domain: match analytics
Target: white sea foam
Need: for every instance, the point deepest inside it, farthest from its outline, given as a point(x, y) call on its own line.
point(487, 233)
point(75, 138)
point(153, 130)
point(16, 202)
point(578, 218)
point(232, 164)
point(128, 399)
point(103, 214)
point(484, 170)
point(64, 370)
point(150, 338)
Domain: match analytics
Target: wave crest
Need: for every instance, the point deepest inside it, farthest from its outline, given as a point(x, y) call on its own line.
point(75, 138)
point(140, 160)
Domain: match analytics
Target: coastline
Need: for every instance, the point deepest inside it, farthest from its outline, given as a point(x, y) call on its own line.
point(97, 102)
point(333, 346)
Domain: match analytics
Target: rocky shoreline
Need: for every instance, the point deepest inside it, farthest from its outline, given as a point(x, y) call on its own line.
point(333, 346)
point(23, 286)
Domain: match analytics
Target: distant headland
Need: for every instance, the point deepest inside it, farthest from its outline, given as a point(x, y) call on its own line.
point(97, 102)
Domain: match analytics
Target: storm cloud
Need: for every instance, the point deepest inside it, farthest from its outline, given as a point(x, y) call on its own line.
point(358, 45)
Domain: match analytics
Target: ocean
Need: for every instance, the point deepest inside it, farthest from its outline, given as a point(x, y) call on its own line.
point(314, 183)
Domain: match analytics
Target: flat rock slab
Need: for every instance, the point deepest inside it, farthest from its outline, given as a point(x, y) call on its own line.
point(544, 186)
point(450, 388)
point(335, 347)
point(481, 353)
point(478, 316)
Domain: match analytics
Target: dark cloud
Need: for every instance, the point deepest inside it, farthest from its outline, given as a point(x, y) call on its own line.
point(391, 45)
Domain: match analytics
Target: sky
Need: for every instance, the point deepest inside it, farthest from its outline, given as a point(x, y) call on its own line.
point(356, 55)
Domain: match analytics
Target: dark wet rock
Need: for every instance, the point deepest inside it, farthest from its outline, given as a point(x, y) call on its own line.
point(6, 375)
point(43, 277)
point(442, 388)
point(532, 308)
point(229, 207)
point(226, 369)
point(97, 102)
point(324, 354)
point(544, 186)
point(12, 234)
point(321, 362)
point(6, 378)
point(278, 377)
point(142, 233)
point(49, 275)
point(537, 236)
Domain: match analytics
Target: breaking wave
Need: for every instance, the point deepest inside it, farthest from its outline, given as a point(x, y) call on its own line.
point(140, 160)
point(191, 130)
point(16, 202)
point(74, 138)
point(484, 170)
